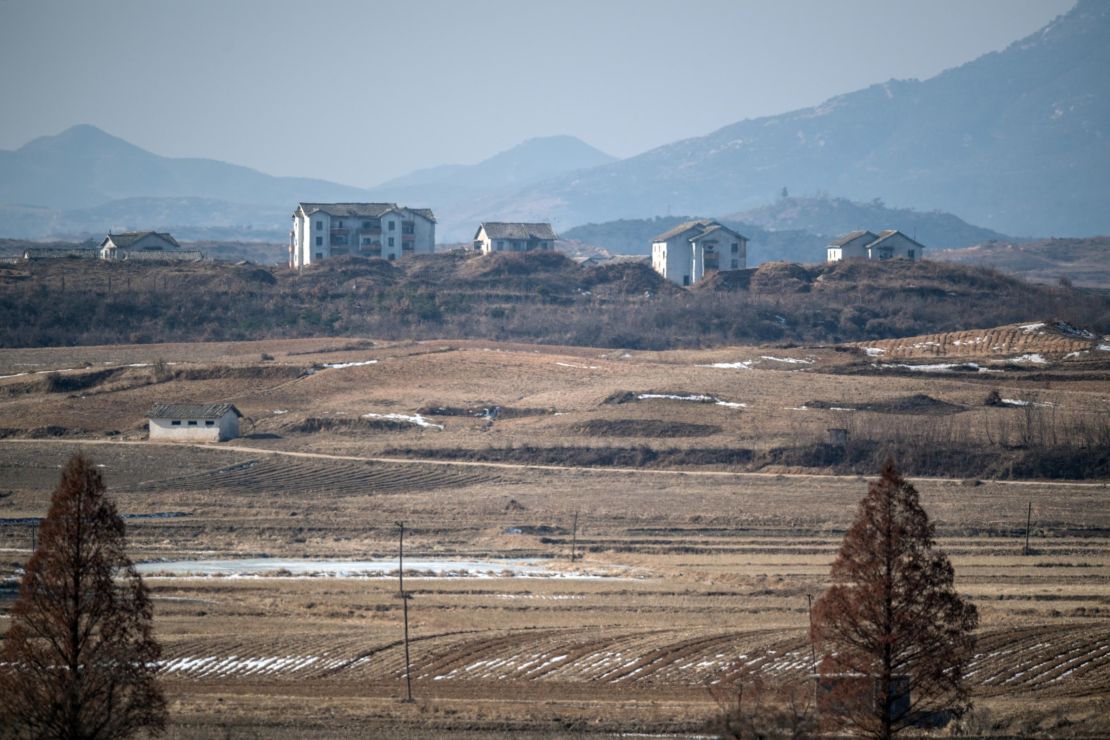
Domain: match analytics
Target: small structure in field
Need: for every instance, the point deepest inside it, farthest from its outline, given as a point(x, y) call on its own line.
point(696, 249)
point(886, 245)
point(148, 245)
point(194, 422)
point(838, 437)
point(500, 236)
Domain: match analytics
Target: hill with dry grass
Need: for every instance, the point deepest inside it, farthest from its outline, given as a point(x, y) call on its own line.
point(535, 297)
point(1078, 261)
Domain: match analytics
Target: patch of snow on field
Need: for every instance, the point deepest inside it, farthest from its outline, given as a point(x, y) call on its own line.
point(308, 568)
point(874, 351)
point(281, 411)
point(1032, 328)
point(580, 367)
point(344, 365)
point(790, 360)
point(942, 367)
point(745, 365)
point(1103, 348)
point(695, 397)
point(1077, 353)
point(1034, 358)
point(416, 419)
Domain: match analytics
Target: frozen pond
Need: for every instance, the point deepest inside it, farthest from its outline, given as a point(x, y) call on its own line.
point(415, 568)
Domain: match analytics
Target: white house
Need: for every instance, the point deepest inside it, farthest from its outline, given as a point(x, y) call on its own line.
point(886, 245)
point(386, 230)
point(499, 236)
point(194, 422)
point(122, 246)
point(694, 249)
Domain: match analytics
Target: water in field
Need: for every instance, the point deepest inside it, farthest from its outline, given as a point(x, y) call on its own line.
point(415, 568)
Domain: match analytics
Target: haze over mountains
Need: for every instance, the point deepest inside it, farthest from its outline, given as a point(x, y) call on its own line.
point(1016, 141)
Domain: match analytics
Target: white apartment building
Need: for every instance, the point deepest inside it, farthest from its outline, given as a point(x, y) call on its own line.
point(386, 230)
point(694, 249)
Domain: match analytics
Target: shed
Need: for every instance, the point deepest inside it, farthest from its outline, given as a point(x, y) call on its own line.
point(194, 422)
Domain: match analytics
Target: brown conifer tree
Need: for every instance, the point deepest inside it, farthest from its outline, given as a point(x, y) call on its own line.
point(79, 659)
point(892, 620)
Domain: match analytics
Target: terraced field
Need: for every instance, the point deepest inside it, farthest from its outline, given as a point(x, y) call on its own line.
point(277, 474)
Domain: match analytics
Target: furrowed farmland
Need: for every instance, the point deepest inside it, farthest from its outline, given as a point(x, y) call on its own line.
point(596, 541)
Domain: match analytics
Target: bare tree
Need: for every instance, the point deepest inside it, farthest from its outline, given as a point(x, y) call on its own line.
point(753, 704)
point(79, 660)
point(896, 636)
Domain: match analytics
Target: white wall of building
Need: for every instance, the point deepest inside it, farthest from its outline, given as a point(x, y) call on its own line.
point(195, 430)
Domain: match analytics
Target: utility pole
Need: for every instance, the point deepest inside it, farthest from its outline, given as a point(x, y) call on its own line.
point(812, 651)
point(34, 534)
point(574, 539)
point(405, 609)
point(1028, 524)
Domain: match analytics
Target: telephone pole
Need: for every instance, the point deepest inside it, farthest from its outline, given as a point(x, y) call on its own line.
point(405, 609)
point(574, 539)
point(1028, 524)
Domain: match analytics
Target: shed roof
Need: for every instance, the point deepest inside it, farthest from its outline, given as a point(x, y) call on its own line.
point(517, 230)
point(888, 233)
point(840, 241)
point(191, 410)
point(361, 210)
point(127, 238)
point(703, 226)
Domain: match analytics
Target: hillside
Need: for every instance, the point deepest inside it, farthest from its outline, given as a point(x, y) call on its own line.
point(1081, 261)
point(532, 297)
point(1016, 141)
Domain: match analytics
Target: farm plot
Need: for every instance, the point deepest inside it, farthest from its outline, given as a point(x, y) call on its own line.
point(1072, 660)
point(299, 476)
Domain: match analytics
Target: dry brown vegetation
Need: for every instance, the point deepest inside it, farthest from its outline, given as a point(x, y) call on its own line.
point(704, 561)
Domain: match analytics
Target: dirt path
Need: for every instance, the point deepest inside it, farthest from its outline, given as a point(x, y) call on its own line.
point(519, 466)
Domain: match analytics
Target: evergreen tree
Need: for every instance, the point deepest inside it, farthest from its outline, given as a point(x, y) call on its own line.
point(892, 619)
point(79, 659)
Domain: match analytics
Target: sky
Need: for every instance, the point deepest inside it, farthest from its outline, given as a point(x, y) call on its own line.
point(360, 91)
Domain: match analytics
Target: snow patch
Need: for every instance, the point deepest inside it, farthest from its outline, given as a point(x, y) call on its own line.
point(415, 419)
point(580, 367)
point(344, 365)
point(874, 351)
point(790, 360)
point(1032, 358)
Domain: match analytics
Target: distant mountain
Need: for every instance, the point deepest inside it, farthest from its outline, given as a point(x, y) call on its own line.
point(461, 194)
point(831, 217)
point(84, 167)
point(84, 180)
point(1017, 140)
point(530, 161)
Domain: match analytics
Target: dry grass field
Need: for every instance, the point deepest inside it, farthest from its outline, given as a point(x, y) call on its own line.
point(688, 568)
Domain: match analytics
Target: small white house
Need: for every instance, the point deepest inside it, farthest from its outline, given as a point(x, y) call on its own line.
point(194, 422)
point(385, 230)
point(120, 246)
point(500, 236)
point(886, 245)
point(694, 249)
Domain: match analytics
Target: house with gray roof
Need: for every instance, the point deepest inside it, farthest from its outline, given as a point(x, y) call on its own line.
point(695, 249)
point(886, 245)
point(503, 236)
point(385, 230)
point(193, 422)
point(122, 246)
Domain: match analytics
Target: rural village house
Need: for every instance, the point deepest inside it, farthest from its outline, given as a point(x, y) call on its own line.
point(144, 245)
point(386, 230)
point(499, 236)
point(889, 244)
point(194, 422)
point(693, 249)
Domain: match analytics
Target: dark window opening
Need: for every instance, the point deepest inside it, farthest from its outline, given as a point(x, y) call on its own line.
point(192, 423)
point(176, 422)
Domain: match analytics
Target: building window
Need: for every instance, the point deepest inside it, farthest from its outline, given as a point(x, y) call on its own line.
point(319, 241)
point(209, 423)
point(735, 264)
point(909, 254)
point(392, 256)
point(685, 279)
point(319, 255)
point(391, 238)
point(366, 224)
point(192, 423)
point(339, 225)
point(176, 422)
point(319, 224)
point(392, 225)
point(735, 248)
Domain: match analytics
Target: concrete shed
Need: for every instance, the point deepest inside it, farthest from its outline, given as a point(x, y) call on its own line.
point(194, 422)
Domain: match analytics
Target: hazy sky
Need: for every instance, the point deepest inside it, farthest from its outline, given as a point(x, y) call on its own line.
point(361, 91)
